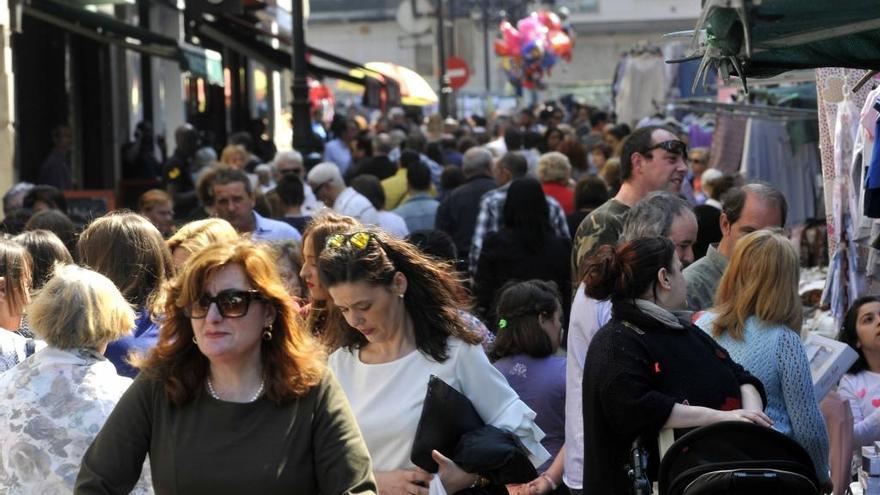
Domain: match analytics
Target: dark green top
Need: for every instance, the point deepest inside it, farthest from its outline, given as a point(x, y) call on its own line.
point(602, 226)
point(310, 446)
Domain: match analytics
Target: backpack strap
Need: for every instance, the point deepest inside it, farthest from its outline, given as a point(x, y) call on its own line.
point(30, 347)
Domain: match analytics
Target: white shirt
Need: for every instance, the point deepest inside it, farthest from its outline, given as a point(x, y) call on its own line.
point(354, 204)
point(387, 400)
point(393, 223)
point(587, 317)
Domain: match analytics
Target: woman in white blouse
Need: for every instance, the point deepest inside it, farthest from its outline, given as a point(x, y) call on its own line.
point(404, 326)
point(55, 402)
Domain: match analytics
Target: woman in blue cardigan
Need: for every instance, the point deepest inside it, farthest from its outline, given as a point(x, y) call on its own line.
point(757, 319)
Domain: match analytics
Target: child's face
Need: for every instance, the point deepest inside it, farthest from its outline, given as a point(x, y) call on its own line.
point(868, 327)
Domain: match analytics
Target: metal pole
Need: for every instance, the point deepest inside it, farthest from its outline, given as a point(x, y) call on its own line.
point(486, 67)
point(302, 120)
point(441, 55)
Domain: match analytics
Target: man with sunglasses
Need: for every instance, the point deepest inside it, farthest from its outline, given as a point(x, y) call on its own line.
point(326, 181)
point(653, 159)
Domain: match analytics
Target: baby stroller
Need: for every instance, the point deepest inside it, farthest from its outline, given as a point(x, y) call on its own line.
point(736, 458)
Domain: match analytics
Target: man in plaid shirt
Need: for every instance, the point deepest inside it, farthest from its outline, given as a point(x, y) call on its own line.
point(511, 166)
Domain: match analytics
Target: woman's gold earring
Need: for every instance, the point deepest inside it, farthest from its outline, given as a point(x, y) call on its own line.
point(267, 333)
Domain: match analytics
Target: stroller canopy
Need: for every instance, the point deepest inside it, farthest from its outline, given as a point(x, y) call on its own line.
point(736, 457)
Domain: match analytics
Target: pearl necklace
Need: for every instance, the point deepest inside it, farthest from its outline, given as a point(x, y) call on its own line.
point(215, 395)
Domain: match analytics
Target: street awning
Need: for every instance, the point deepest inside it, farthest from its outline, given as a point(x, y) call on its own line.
point(102, 28)
point(764, 38)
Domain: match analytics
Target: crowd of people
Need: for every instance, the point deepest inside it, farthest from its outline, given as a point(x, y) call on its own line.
point(271, 323)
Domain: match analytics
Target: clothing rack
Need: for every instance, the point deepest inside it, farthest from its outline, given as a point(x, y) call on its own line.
point(745, 110)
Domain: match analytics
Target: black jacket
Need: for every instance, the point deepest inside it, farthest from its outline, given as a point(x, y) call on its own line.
point(457, 214)
point(636, 370)
point(505, 258)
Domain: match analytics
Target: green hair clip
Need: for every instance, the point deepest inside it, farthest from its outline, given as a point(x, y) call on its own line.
point(502, 323)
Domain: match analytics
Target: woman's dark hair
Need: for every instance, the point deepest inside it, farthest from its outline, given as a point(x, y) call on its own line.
point(850, 336)
point(547, 134)
point(590, 192)
point(46, 250)
point(451, 178)
point(126, 248)
point(576, 153)
point(56, 222)
point(433, 293)
point(371, 188)
point(629, 270)
point(519, 306)
point(526, 212)
point(435, 243)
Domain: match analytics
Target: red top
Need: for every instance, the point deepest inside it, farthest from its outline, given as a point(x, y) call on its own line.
point(560, 193)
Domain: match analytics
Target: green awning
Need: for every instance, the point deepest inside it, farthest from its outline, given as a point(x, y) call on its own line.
point(764, 38)
point(203, 63)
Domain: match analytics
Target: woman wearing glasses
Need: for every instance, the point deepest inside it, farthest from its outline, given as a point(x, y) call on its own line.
point(234, 398)
point(402, 308)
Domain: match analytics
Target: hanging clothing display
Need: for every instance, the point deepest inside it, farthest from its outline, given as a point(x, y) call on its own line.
point(642, 87)
point(843, 147)
point(771, 156)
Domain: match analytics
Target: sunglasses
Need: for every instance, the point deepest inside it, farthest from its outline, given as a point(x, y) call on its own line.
point(360, 240)
point(673, 146)
point(231, 303)
point(291, 171)
point(317, 188)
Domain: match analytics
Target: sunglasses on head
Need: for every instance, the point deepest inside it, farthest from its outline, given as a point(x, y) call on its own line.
point(360, 240)
point(673, 146)
point(231, 303)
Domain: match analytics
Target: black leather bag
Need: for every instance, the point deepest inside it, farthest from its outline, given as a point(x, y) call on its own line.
point(447, 415)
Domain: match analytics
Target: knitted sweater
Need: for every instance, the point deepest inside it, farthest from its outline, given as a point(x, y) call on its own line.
point(775, 354)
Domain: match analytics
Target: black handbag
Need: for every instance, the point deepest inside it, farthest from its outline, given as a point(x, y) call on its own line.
point(447, 414)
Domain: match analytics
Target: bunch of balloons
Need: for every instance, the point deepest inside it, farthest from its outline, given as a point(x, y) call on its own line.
point(532, 48)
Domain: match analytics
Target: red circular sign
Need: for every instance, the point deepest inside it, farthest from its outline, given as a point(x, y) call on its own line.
point(457, 72)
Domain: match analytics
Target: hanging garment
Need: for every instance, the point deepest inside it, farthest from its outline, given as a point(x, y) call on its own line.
point(727, 144)
point(642, 88)
point(769, 158)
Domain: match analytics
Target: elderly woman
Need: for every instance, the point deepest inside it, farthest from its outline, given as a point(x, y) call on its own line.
point(56, 401)
point(646, 369)
point(158, 206)
point(235, 397)
point(195, 236)
point(757, 319)
point(554, 172)
point(322, 317)
point(404, 326)
point(130, 251)
point(16, 269)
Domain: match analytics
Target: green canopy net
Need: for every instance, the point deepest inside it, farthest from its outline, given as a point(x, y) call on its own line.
point(764, 38)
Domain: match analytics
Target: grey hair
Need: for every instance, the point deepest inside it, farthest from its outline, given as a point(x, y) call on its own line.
point(287, 156)
point(734, 201)
point(476, 161)
point(383, 143)
point(653, 216)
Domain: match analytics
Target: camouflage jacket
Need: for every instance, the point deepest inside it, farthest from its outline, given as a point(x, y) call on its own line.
point(602, 226)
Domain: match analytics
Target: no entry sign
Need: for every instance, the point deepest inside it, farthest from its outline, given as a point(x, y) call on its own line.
point(457, 71)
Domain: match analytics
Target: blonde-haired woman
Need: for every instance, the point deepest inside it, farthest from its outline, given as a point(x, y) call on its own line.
point(197, 235)
point(234, 156)
point(757, 318)
point(55, 402)
point(554, 172)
